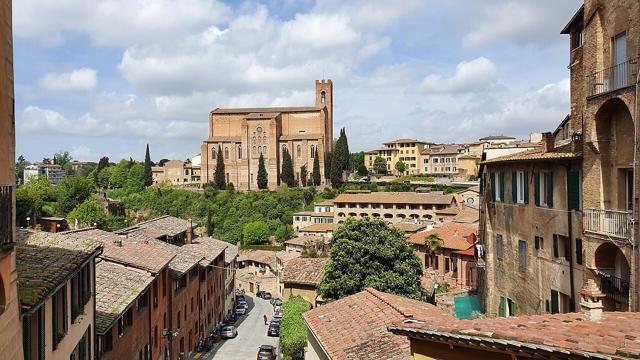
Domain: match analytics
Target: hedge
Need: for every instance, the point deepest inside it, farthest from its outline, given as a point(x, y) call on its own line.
point(293, 332)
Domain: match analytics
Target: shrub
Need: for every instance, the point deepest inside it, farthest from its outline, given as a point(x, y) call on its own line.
point(293, 332)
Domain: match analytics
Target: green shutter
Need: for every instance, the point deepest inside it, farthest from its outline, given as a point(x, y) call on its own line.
point(555, 246)
point(526, 187)
point(550, 189)
point(555, 306)
point(514, 187)
point(502, 308)
point(492, 186)
point(513, 308)
point(536, 188)
point(579, 251)
point(573, 189)
point(501, 178)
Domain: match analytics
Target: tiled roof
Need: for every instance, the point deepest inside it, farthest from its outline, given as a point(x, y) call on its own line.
point(265, 110)
point(468, 216)
point(497, 137)
point(355, 327)
point(615, 336)
point(410, 226)
point(207, 247)
point(259, 256)
point(230, 253)
point(304, 240)
point(404, 141)
point(184, 260)
point(45, 260)
point(395, 198)
point(325, 203)
point(447, 211)
point(162, 226)
point(453, 235)
point(312, 213)
point(538, 154)
point(138, 253)
point(443, 149)
point(117, 287)
point(318, 228)
point(307, 271)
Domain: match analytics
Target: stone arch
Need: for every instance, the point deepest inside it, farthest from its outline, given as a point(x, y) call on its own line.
point(352, 214)
point(375, 215)
point(364, 215)
point(340, 214)
point(388, 216)
point(609, 259)
point(401, 216)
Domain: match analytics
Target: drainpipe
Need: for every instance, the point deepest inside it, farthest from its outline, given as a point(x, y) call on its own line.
point(633, 302)
point(567, 167)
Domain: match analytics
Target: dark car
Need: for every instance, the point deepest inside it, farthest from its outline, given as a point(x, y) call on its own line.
point(266, 352)
point(260, 293)
point(275, 320)
point(266, 295)
point(274, 329)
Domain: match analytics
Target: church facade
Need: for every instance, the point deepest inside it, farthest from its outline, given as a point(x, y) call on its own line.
point(245, 133)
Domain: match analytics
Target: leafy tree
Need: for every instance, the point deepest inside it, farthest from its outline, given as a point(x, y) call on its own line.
point(104, 177)
point(102, 164)
point(255, 232)
point(346, 157)
point(62, 158)
point(73, 191)
point(263, 178)
point(32, 197)
point(21, 163)
point(362, 170)
point(148, 177)
point(370, 253)
point(135, 179)
point(120, 173)
point(433, 243)
point(357, 159)
point(284, 233)
point(293, 331)
point(315, 175)
point(219, 177)
point(401, 167)
point(89, 213)
point(303, 175)
point(209, 224)
point(380, 165)
point(162, 162)
point(287, 176)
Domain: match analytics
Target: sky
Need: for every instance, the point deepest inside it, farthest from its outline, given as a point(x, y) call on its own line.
point(106, 77)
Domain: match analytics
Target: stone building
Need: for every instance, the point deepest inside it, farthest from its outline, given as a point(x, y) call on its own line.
point(243, 134)
point(177, 172)
point(10, 327)
point(406, 150)
point(301, 278)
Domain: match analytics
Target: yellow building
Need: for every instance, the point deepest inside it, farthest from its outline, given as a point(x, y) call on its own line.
point(442, 159)
point(406, 150)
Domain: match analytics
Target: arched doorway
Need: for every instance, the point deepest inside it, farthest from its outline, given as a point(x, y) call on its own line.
point(612, 267)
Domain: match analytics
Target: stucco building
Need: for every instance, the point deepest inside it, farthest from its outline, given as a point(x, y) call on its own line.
point(406, 150)
point(177, 172)
point(243, 134)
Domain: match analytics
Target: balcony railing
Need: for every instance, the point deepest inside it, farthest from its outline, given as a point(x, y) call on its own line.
point(608, 222)
point(612, 78)
point(615, 288)
point(6, 215)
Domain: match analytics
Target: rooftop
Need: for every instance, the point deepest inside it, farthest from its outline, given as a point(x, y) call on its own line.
point(117, 287)
point(323, 228)
point(410, 227)
point(45, 261)
point(443, 149)
point(497, 137)
point(404, 141)
point(615, 336)
point(325, 203)
point(355, 327)
point(467, 215)
point(304, 240)
point(453, 235)
point(185, 260)
point(313, 213)
point(538, 154)
point(395, 198)
point(306, 271)
point(265, 110)
point(209, 248)
point(162, 226)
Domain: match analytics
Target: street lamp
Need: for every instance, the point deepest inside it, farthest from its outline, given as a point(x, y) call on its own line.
point(170, 335)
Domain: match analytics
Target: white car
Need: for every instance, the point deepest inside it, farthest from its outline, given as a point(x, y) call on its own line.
point(243, 304)
point(241, 310)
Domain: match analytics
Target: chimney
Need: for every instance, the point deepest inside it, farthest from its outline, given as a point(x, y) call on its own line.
point(547, 142)
point(591, 302)
point(576, 142)
point(190, 232)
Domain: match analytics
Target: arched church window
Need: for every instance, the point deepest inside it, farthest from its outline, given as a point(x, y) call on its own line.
point(253, 151)
point(213, 153)
point(264, 140)
point(322, 97)
point(226, 153)
point(313, 151)
point(253, 141)
point(284, 148)
point(299, 150)
point(239, 151)
point(264, 150)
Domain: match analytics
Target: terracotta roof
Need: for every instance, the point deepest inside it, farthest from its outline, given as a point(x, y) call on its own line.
point(266, 257)
point(304, 240)
point(410, 226)
point(355, 327)
point(325, 203)
point(265, 110)
point(467, 215)
point(162, 226)
point(224, 139)
point(45, 260)
point(185, 260)
point(319, 228)
point(470, 157)
point(117, 288)
point(443, 150)
point(538, 154)
point(395, 198)
point(453, 235)
point(613, 337)
point(312, 213)
point(140, 254)
point(404, 141)
point(306, 271)
point(447, 211)
point(497, 137)
point(209, 248)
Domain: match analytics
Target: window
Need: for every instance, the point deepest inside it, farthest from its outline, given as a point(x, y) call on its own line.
point(561, 247)
point(573, 189)
point(298, 150)
point(193, 274)
point(59, 315)
point(239, 151)
point(226, 153)
point(579, 251)
point(497, 181)
point(313, 151)
point(179, 319)
point(155, 294)
point(322, 97)
point(577, 38)
point(213, 153)
point(507, 307)
point(499, 247)
point(539, 243)
point(544, 189)
point(522, 254)
point(181, 283)
point(519, 188)
point(143, 301)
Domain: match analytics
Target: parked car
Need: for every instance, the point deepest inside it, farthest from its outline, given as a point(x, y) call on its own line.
point(229, 332)
point(266, 295)
point(274, 329)
point(278, 311)
point(260, 293)
point(243, 303)
point(241, 310)
point(276, 320)
point(266, 352)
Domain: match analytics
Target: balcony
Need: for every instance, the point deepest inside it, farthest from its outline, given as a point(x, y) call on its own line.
point(612, 78)
point(6, 215)
point(608, 222)
point(615, 288)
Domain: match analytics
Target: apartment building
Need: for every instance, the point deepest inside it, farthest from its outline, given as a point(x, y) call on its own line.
point(56, 289)
point(52, 172)
point(406, 150)
point(10, 327)
point(442, 159)
point(178, 172)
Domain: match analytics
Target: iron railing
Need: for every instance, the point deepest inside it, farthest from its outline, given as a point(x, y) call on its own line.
point(615, 288)
point(6, 215)
point(612, 78)
point(608, 222)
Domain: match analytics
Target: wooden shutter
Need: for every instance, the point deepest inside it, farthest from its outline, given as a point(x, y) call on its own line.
point(514, 187)
point(536, 188)
point(555, 246)
point(579, 251)
point(502, 307)
point(555, 306)
point(65, 311)
point(550, 189)
point(567, 248)
point(501, 178)
point(514, 312)
point(573, 189)
point(526, 187)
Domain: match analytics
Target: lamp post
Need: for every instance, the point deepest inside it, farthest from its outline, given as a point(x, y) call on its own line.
point(28, 221)
point(170, 335)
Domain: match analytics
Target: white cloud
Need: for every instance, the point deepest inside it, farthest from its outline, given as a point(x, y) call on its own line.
point(470, 76)
point(45, 121)
point(79, 80)
point(83, 153)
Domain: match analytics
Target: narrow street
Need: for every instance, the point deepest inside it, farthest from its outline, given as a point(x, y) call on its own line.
point(251, 334)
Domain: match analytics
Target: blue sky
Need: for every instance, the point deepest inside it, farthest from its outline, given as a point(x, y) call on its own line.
point(105, 77)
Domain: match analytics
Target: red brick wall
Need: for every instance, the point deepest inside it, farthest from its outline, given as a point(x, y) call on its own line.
point(134, 339)
point(159, 312)
point(181, 301)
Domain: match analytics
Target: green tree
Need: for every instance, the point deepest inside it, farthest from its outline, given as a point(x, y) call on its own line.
point(89, 213)
point(219, 177)
point(255, 232)
point(210, 224)
point(135, 179)
point(346, 157)
point(380, 165)
point(284, 232)
point(119, 174)
point(433, 243)
point(263, 178)
point(370, 253)
point(32, 197)
point(293, 331)
point(362, 170)
point(328, 159)
point(287, 176)
point(315, 175)
point(62, 158)
point(401, 167)
point(148, 177)
point(303, 175)
point(340, 159)
point(357, 159)
point(21, 163)
point(102, 164)
point(73, 191)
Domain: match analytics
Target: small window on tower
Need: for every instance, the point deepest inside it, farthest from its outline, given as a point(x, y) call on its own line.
point(322, 97)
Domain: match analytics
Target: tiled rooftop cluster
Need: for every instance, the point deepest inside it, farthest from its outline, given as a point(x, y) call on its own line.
point(395, 198)
point(306, 271)
point(162, 226)
point(455, 236)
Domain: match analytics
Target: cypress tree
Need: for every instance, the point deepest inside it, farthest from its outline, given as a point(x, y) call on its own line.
point(327, 165)
point(148, 178)
point(263, 178)
point(287, 169)
point(346, 160)
point(219, 177)
point(315, 175)
point(303, 175)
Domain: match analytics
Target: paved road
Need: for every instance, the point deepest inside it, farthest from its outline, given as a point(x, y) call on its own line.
point(251, 333)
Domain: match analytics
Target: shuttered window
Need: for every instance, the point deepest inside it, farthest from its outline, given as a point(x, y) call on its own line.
point(555, 302)
point(573, 189)
point(499, 247)
point(522, 254)
point(579, 251)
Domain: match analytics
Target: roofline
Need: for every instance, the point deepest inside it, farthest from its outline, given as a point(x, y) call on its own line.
point(498, 161)
point(486, 342)
point(565, 30)
point(225, 111)
point(315, 336)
